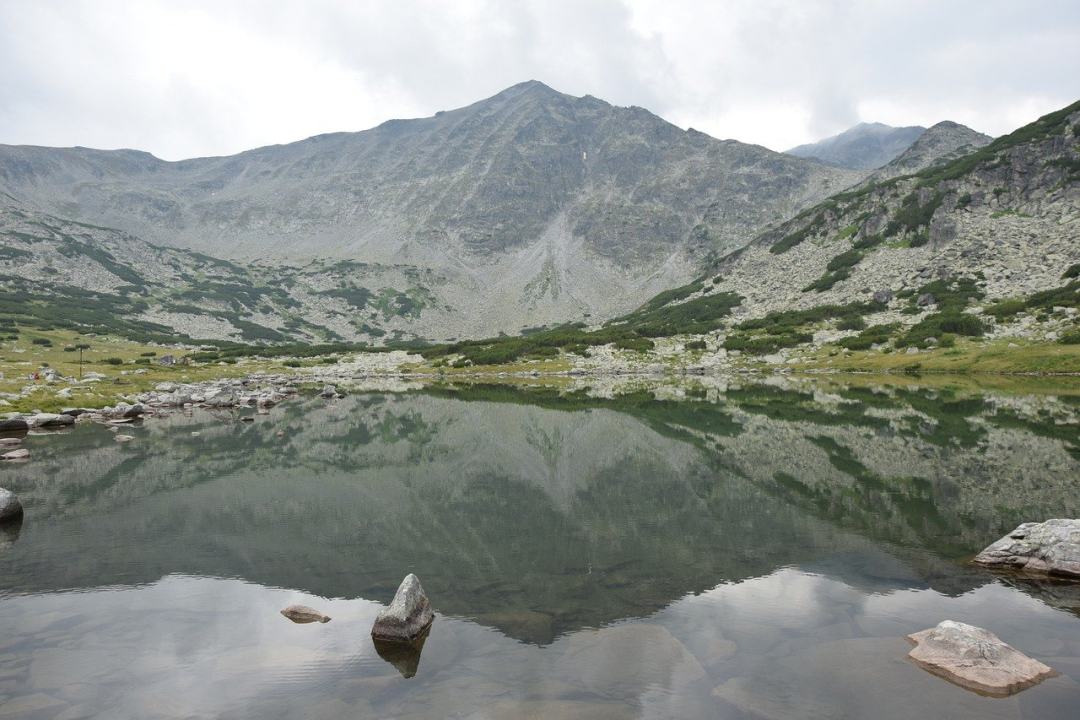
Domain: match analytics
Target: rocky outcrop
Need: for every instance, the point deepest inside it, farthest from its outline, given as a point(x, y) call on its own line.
point(408, 616)
point(975, 659)
point(1051, 547)
point(10, 507)
point(303, 614)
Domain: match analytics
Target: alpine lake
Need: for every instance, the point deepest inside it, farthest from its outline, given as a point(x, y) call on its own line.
point(709, 548)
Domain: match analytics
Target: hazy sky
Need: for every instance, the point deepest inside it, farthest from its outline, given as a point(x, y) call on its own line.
point(186, 77)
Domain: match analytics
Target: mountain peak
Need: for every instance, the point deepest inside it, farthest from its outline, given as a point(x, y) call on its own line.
point(865, 146)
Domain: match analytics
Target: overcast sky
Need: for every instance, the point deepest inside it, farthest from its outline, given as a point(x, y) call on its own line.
point(187, 78)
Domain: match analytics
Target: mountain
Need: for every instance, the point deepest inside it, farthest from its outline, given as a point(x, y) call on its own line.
point(982, 246)
point(528, 208)
point(864, 147)
point(939, 144)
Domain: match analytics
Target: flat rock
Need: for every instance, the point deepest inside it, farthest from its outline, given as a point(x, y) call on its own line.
point(10, 507)
point(976, 659)
point(304, 614)
point(18, 454)
point(124, 438)
point(14, 424)
point(10, 442)
point(49, 420)
point(408, 615)
point(1051, 547)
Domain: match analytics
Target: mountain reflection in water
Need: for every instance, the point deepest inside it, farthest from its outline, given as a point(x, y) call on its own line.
point(731, 552)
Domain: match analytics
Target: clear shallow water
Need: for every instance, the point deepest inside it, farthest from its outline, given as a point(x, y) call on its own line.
point(742, 552)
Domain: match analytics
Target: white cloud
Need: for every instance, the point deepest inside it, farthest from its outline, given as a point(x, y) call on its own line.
point(201, 77)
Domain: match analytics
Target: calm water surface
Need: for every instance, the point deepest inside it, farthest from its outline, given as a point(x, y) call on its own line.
point(743, 551)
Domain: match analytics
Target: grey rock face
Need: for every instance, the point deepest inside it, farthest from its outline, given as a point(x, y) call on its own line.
point(10, 507)
point(976, 659)
point(1051, 547)
point(304, 614)
point(408, 615)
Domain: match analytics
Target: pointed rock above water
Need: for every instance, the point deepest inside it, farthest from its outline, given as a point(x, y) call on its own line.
point(408, 615)
point(976, 659)
point(1051, 547)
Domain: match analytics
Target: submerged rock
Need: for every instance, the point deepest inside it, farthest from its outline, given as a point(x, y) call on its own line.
point(404, 656)
point(10, 507)
point(304, 614)
point(19, 454)
point(124, 438)
point(1051, 547)
point(408, 615)
point(10, 442)
point(976, 659)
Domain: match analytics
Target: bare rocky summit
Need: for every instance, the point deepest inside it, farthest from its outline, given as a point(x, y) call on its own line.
point(940, 144)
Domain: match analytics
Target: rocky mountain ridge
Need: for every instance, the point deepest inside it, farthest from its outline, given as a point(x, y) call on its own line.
point(533, 207)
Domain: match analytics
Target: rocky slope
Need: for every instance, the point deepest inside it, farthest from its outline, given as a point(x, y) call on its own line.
point(863, 147)
point(940, 144)
point(987, 245)
point(532, 206)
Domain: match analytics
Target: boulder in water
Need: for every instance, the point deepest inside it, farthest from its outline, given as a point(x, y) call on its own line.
point(10, 442)
point(19, 454)
point(14, 425)
point(408, 616)
point(1051, 547)
point(975, 659)
point(304, 614)
point(10, 507)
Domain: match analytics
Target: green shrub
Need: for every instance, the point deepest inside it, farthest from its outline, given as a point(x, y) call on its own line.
point(873, 335)
point(292, 363)
point(912, 215)
point(113, 361)
point(142, 361)
point(1071, 272)
point(69, 348)
point(148, 354)
point(696, 345)
point(854, 322)
point(639, 344)
point(1070, 338)
point(44, 342)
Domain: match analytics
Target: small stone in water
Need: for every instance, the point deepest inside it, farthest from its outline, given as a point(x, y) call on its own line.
point(304, 614)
